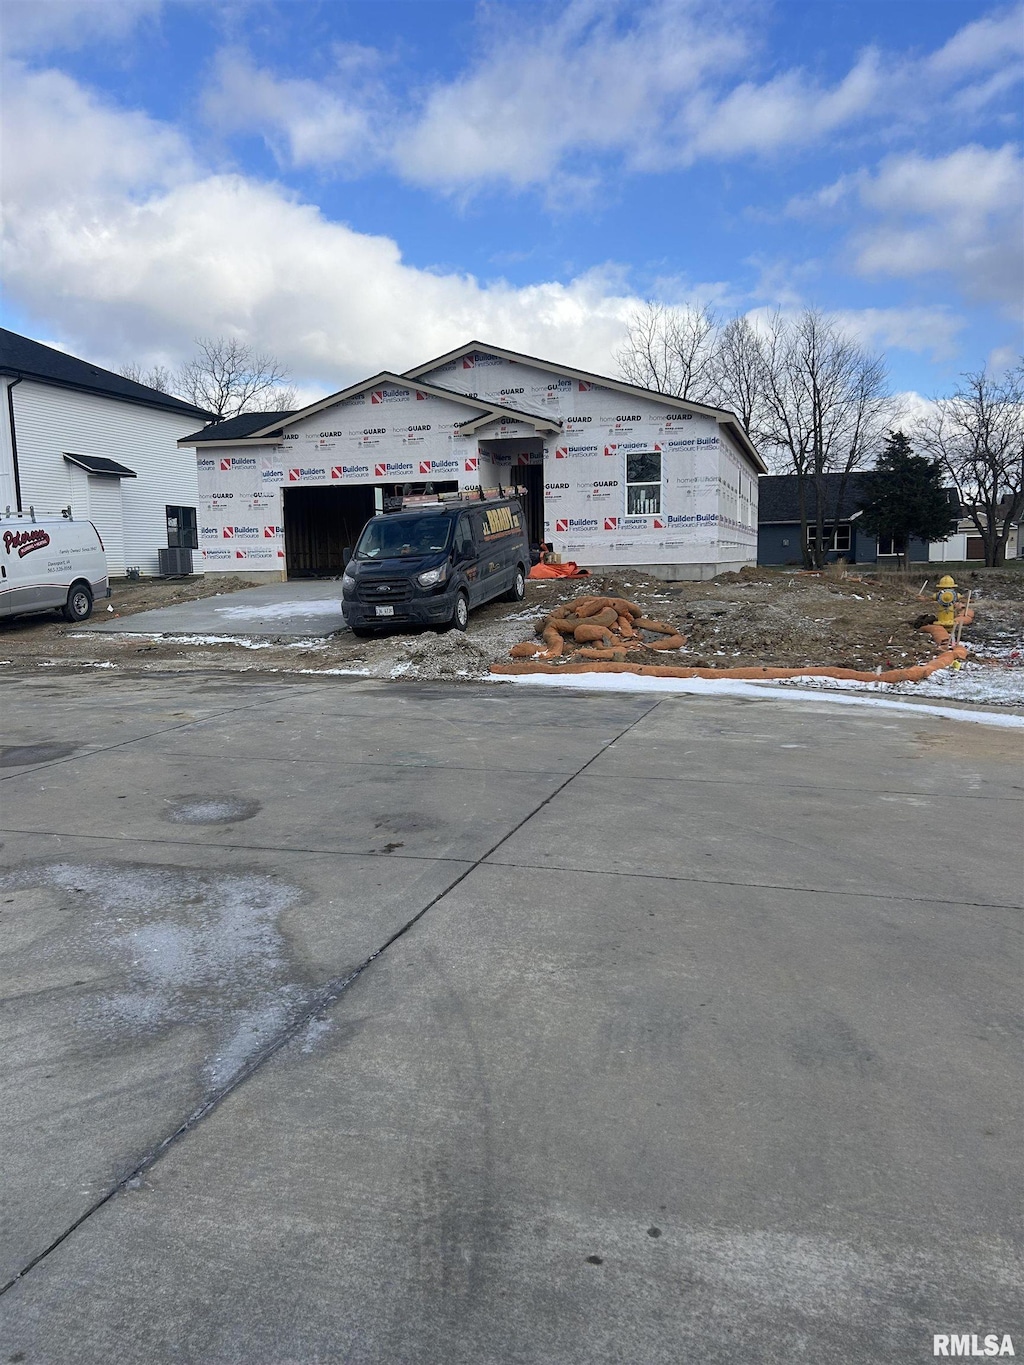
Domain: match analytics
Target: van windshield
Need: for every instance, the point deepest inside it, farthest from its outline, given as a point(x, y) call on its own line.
point(403, 537)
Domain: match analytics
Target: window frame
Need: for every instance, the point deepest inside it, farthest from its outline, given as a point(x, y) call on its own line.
point(636, 484)
point(185, 535)
point(832, 535)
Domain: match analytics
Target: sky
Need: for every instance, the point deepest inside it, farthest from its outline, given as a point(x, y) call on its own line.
point(360, 186)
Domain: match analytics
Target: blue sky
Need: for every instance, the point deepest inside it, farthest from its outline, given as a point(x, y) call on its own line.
point(359, 186)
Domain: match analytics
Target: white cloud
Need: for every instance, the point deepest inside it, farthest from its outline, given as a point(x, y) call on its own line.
point(44, 25)
point(959, 214)
point(924, 330)
point(307, 123)
point(595, 78)
point(116, 236)
point(654, 87)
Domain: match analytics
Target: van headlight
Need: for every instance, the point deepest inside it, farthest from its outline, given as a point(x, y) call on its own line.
point(348, 583)
point(432, 576)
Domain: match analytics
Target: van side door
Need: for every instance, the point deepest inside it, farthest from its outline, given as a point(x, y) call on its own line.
point(466, 556)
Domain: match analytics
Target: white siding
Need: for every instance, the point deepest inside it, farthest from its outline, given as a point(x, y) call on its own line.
point(51, 420)
point(106, 512)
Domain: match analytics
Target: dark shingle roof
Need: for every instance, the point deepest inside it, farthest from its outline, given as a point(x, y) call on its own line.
point(234, 428)
point(28, 359)
point(99, 464)
point(778, 500)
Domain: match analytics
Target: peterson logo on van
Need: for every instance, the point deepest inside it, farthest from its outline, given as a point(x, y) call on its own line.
point(26, 541)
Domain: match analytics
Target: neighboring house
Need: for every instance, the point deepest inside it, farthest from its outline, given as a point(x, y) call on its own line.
point(610, 474)
point(965, 542)
point(74, 435)
point(778, 526)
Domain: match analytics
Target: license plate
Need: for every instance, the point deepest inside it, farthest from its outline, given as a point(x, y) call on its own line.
point(384, 611)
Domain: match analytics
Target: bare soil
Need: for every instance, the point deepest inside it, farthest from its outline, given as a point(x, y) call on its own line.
point(850, 618)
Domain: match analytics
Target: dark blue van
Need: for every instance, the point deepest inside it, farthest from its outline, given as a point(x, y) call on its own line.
point(429, 566)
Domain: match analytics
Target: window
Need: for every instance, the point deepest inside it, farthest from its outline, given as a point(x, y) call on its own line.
point(643, 483)
point(464, 546)
point(887, 546)
point(182, 531)
point(837, 539)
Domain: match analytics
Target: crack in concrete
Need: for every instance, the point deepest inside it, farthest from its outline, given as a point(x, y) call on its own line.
point(324, 999)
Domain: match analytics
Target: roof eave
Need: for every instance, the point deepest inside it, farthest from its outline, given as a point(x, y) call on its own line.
point(184, 410)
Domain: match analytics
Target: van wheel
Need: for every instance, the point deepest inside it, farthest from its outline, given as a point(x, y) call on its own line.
point(518, 589)
point(79, 604)
point(460, 613)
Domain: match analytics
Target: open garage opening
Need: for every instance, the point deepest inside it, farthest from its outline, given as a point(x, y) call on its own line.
point(320, 527)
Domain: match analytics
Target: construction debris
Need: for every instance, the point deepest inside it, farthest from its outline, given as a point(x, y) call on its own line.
point(599, 630)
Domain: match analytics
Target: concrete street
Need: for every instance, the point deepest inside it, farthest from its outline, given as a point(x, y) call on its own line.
point(344, 1021)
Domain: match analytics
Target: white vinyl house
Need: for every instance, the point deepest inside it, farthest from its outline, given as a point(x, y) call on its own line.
point(72, 434)
point(610, 474)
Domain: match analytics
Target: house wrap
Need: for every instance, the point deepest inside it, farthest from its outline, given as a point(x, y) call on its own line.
point(610, 474)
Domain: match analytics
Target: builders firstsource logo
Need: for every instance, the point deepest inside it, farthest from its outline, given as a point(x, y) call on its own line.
point(392, 469)
point(297, 475)
point(241, 533)
point(206, 464)
point(438, 466)
point(390, 396)
point(576, 524)
point(575, 452)
point(471, 464)
point(271, 532)
point(350, 471)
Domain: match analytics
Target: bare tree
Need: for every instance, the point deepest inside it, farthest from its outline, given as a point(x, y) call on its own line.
point(671, 350)
point(741, 377)
point(227, 376)
point(159, 377)
point(978, 434)
point(828, 409)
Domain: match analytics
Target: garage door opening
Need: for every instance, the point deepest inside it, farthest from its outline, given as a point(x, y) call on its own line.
point(320, 525)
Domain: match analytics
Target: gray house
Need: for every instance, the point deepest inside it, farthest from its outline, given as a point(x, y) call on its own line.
point(778, 522)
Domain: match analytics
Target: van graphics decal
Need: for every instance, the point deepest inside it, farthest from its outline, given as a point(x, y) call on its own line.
point(26, 541)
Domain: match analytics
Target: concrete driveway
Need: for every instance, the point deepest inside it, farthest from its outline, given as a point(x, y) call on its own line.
point(355, 1022)
point(279, 610)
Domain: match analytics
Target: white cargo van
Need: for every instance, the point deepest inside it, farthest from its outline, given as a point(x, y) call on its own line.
point(49, 563)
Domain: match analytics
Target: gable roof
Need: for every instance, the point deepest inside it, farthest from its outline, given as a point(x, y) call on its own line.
point(778, 499)
point(271, 424)
point(723, 416)
point(23, 358)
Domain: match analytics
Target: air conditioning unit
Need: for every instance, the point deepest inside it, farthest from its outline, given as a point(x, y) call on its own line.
point(174, 562)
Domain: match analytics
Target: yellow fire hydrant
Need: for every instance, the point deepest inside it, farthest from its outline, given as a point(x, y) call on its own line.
point(947, 597)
